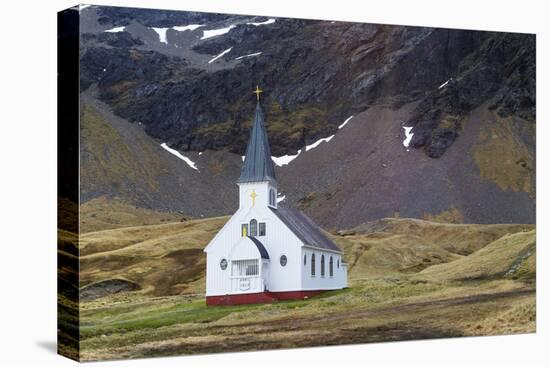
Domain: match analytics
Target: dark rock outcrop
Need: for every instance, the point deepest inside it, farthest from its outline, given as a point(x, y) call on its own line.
point(314, 73)
point(501, 69)
point(106, 288)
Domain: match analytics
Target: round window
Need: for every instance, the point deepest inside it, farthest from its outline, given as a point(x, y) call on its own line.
point(223, 264)
point(283, 260)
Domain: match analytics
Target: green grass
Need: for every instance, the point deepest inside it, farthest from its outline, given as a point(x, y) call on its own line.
point(129, 317)
point(196, 312)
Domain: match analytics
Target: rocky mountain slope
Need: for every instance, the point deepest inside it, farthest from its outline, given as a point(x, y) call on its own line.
point(121, 162)
point(185, 79)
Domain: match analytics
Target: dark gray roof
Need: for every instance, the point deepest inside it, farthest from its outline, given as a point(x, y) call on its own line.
point(304, 228)
point(261, 248)
point(257, 165)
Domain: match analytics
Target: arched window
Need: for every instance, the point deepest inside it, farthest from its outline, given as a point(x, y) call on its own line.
point(312, 265)
point(322, 265)
point(272, 197)
point(305, 260)
point(253, 228)
point(330, 267)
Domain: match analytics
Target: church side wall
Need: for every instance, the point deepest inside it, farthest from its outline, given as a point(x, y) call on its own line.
point(316, 282)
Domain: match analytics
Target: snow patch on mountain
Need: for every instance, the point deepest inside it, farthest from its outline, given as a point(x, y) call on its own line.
point(316, 144)
point(216, 32)
point(345, 122)
point(249, 55)
point(190, 27)
point(444, 84)
point(189, 162)
point(408, 136)
point(285, 159)
point(220, 55)
point(115, 29)
point(269, 21)
point(162, 34)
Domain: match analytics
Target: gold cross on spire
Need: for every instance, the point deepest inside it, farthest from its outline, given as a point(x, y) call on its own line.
point(257, 93)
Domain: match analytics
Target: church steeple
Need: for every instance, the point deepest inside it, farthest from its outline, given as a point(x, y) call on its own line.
point(258, 165)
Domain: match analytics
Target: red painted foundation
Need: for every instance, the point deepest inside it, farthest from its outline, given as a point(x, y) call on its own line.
point(263, 297)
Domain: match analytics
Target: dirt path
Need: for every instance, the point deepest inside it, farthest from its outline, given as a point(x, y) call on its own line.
point(405, 308)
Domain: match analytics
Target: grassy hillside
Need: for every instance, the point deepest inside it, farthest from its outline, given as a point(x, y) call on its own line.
point(396, 246)
point(512, 255)
point(142, 290)
point(102, 213)
point(164, 259)
point(462, 239)
point(167, 259)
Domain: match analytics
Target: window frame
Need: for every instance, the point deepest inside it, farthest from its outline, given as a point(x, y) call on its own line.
point(244, 229)
point(312, 265)
point(248, 268)
point(253, 228)
point(331, 267)
point(260, 226)
point(322, 265)
point(272, 197)
point(224, 264)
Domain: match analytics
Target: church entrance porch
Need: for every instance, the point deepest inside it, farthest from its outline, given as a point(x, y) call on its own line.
point(245, 276)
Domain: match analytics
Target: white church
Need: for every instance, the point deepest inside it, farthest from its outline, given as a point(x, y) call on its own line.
point(267, 251)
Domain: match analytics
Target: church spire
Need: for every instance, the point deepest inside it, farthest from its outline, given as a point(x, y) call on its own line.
point(257, 165)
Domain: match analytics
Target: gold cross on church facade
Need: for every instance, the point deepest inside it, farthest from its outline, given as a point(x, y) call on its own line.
point(257, 93)
point(253, 196)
